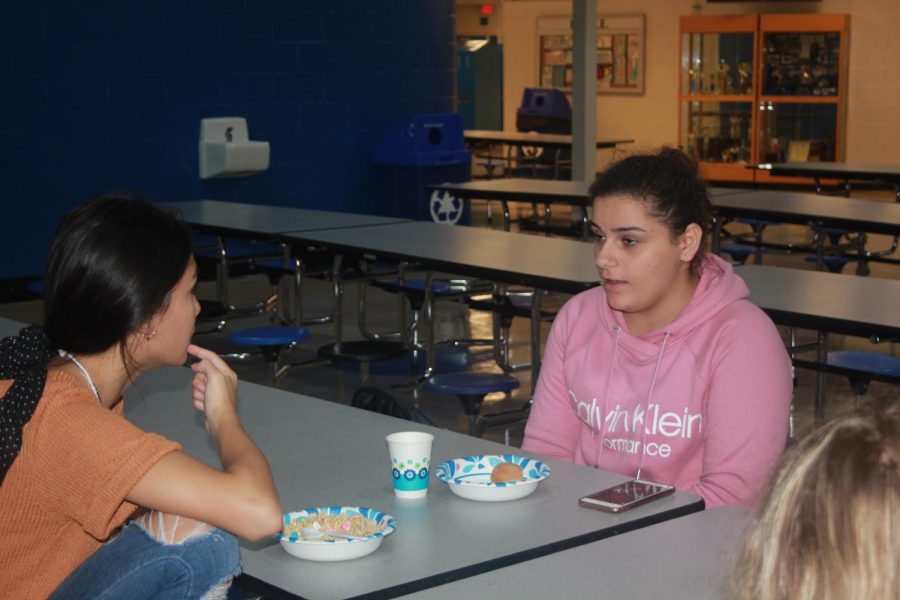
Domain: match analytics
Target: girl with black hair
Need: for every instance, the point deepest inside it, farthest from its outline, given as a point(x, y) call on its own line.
point(666, 371)
point(118, 301)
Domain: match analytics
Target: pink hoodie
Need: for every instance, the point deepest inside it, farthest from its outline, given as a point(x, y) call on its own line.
point(702, 404)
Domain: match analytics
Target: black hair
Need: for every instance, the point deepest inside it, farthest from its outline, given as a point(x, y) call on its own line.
point(112, 263)
point(669, 181)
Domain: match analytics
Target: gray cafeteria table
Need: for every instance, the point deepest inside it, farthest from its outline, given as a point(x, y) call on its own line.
point(515, 258)
point(827, 303)
point(819, 212)
point(519, 139)
point(688, 558)
point(546, 191)
point(839, 170)
point(9, 327)
point(716, 191)
point(266, 223)
point(513, 189)
point(530, 138)
point(545, 264)
point(326, 454)
point(243, 220)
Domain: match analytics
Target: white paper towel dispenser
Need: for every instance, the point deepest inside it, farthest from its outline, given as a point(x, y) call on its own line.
point(226, 150)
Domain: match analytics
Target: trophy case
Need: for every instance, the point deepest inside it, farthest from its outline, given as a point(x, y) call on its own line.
point(717, 94)
point(760, 89)
point(802, 89)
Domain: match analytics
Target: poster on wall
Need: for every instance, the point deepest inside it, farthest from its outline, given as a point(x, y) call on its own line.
point(620, 54)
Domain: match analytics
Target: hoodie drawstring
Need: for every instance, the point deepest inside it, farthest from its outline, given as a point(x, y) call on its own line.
point(662, 349)
point(609, 373)
point(647, 404)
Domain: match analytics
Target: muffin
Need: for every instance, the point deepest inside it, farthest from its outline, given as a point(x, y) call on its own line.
point(505, 472)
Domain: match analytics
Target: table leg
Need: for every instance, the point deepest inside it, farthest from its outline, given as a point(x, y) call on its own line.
point(822, 359)
point(818, 185)
point(758, 233)
point(505, 205)
point(222, 273)
point(716, 233)
point(862, 263)
point(338, 296)
point(298, 301)
point(536, 300)
point(819, 230)
point(585, 223)
point(501, 344)
point(428, 317)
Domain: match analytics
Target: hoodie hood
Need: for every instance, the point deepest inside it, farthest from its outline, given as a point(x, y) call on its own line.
point(718, 288)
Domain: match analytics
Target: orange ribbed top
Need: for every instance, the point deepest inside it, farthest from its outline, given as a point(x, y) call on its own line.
point(64, 495)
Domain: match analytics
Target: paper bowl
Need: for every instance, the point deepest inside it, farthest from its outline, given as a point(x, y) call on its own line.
point(470, 477)
point(338, 548)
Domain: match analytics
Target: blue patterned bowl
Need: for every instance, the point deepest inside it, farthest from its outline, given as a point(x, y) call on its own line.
point(470, 477)
point(333, 549)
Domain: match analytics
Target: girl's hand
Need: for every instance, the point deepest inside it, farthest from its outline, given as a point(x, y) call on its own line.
point(214, 388)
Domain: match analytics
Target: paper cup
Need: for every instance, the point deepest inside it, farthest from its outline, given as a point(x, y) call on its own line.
point(410, 462)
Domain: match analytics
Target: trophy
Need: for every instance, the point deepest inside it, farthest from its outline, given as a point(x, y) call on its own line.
point(745, 78)
point(735, 131)
point(723, 80)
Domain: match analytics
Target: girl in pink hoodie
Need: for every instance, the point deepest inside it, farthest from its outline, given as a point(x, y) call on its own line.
point(666, 372)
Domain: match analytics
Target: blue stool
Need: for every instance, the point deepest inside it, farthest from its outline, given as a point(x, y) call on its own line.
point(869, 365)
point(471, 388)
point(739, 253)
point(272, 341)
point(758, 227)
point(858, 242)
point(754, 223)
point(834, 264)
point(834, 234)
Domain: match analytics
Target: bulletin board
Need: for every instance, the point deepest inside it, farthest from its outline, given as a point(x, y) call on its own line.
point(620, 54)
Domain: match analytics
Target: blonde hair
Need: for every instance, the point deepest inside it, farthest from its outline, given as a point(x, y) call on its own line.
point(828, 527)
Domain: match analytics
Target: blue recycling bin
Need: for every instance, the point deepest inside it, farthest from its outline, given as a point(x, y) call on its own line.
point(415, 153)
point(544, 110)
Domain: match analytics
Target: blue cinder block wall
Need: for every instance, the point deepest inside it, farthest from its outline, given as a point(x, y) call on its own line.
point(108, 94)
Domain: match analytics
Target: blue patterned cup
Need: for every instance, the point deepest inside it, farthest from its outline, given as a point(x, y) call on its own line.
point(410, 462)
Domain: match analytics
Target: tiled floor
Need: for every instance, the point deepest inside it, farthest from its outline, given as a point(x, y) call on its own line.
point(453, 320)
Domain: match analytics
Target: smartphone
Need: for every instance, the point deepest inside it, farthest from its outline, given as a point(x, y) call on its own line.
point(626, 495)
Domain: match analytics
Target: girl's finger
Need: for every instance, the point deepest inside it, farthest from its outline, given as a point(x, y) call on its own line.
point(212, 357)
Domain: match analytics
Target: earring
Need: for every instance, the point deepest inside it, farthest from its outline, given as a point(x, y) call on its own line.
point(149, 336)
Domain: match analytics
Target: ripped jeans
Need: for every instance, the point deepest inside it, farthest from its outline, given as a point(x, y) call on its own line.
point(148, 559)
